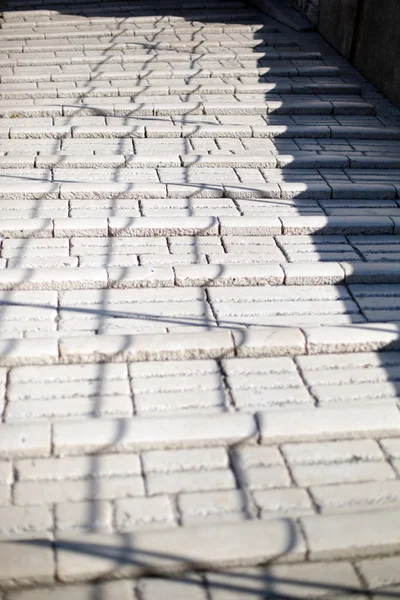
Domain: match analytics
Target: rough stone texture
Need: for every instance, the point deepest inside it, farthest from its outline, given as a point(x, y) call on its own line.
point(337, 22)
point(199, 307)
point(377, 47)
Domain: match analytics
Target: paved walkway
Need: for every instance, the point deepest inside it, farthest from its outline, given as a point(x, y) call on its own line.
point(200, 212)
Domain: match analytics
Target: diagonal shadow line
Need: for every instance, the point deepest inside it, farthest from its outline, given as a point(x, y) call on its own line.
point(175, 564)
point(187, 320)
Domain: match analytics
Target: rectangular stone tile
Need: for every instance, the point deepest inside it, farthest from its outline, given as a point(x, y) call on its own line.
point(24, 209)
point(265, 382)
point(252, 190)
point(362, 190)
point(189, 587)
point(352, 338)
point(217, 506)
point(138, 277)
point(379, 572)
point(132, 175)
point(148, 226)
point(371, 272)
point(25, 440)
point(143, 513)
point(148, 347)
point(318, 190)
point(314, 424)
point(71, 491)
point(78, 467)
point(194, 190)
point(78, 407)
point(365, 132)
point(189, 481)
point(180, 402)
point(336, 225)
point(118, 261)
point(269, 342)
point(99, 245)
point(26, 228)
point(282, 501)
point(347, 451)
point(180, 432)
point(53, 278)
point(89, 190)
point(251, 258)
point(124, 298)
point(84, 516)
point(391, 447)
point(44, 262)
point(80, 227)
point(279, 293)
point(350, 535)
point(130, 131)
point(231, 544)
point(227, 275)
point(97, 387)
point(313, 274)
point(318, 580)
point(250, 226)
point(356, 497)
point(56, 376)
point(307, 475)
point(15, 520)
point(228, 160)
point(20, 352)
point(26, 560)
point(68, 161)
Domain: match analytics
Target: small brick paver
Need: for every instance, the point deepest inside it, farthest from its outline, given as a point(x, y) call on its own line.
point(199, 308)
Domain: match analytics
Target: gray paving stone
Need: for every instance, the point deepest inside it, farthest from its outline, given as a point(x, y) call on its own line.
point(53, 278)
point(372, 272)
point(147, 434)
point(333, 452)
point(21, 566)
point(269, 342)
point(143, 513)
point(73, 491)
point(355, 338)
point(300, 581)
point(138, 277)
point(307, 475)
point(188, 588)
point(379, 572)
point(173, 347)
point(229, 548)
point(313, 274)
point(226, 275)
point(184, 460)
point(114, 590)
point(282, 501)
point(314, 424)
point(351, 497)
point(363, 534)
point(21, 520)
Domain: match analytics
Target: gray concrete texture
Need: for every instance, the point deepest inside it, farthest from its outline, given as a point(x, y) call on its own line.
point(366, 32)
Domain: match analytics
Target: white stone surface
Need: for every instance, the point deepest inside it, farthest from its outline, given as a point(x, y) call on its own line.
point(199, 308)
